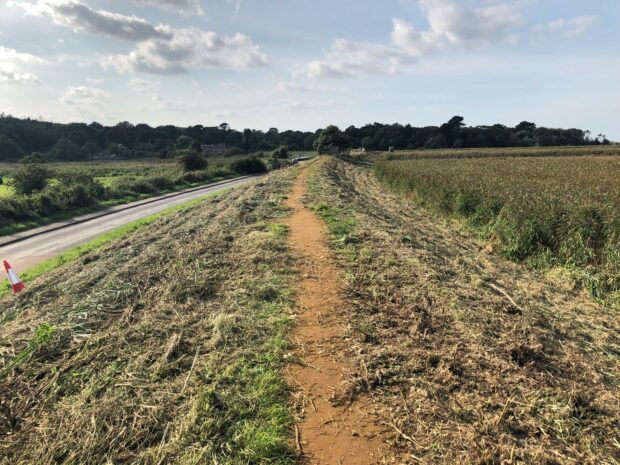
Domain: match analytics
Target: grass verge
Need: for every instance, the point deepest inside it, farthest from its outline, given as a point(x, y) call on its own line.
point(166, 344)
point(24, 225)
point(81, 250)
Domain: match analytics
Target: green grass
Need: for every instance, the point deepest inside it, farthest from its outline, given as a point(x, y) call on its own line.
point(5, 190)
point(19, 226)
point(81, 250)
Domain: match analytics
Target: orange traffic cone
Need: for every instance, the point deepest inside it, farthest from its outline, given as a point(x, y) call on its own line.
point(16, 283)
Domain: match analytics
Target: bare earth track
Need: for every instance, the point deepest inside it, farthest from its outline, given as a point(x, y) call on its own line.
point(333, 431)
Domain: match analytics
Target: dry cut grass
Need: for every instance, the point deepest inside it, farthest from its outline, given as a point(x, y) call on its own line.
point(162, 347)
point(469, 358)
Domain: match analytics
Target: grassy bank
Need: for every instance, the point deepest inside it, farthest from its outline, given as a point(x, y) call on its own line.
point(467, 357)
point(546, 211)
point(84, 249)
point(165, 344)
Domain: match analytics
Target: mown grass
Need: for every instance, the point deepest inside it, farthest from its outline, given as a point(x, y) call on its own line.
point(169, 343)
point(467, 357)
point(82, 250)
point(546, 211)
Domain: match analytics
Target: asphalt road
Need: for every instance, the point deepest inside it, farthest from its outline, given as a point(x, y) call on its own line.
point(33, 250)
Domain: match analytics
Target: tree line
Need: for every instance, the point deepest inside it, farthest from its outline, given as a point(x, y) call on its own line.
point(80, 141)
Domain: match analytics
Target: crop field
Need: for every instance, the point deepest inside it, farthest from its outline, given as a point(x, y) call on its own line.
point(548, 210)
point(577, 151)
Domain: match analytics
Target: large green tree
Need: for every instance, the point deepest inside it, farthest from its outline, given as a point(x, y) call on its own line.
point(332, 140)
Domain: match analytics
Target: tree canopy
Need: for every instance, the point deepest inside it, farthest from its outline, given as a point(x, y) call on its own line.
point(80, 141)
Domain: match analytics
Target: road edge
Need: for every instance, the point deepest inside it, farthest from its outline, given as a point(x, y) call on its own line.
point(18, 237)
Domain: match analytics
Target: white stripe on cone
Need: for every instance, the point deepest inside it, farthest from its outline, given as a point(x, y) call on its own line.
point(16, 283)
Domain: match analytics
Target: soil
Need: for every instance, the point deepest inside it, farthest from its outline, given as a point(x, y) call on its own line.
point(333, 429)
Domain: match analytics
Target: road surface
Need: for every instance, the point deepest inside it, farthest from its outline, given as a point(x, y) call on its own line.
point(33, 250)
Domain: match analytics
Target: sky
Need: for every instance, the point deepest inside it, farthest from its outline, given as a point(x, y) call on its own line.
point(304, 64)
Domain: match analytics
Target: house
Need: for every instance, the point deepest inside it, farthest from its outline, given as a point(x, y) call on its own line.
point(213, 149)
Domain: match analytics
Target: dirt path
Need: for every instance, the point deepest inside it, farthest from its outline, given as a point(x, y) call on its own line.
point(332, 431)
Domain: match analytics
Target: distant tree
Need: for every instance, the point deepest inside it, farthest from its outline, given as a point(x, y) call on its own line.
point(331, 139)
point(451, 131)
point(66, 149)
point(9, 150)
point(525, 126)
point(186, 142)
point(91, 149)
point(281, 152)
point(191, 160)
point(31, 178)
point(367, 142)
point(33, 158)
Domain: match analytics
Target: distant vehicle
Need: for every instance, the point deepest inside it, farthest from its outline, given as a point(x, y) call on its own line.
point(299, 158)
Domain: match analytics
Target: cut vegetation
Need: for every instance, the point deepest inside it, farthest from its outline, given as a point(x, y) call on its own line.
point(469, 358)
point(165, 346)
point(174, 344)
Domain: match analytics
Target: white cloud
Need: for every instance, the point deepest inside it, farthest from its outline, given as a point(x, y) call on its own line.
point(173, 105)
point(452, 24)
point(189, 48)
point(83, 97)
point(573, 27)
point(461, 25)
point(81, 18)
point(296, 105)
point(12, 77)
point(158, 48)
point(10, 55)
point(289, 87)
point(222, 114)
point(11, 64)
point(95, 81)
point(142, 85)
point(181, 6)
point(347, 58)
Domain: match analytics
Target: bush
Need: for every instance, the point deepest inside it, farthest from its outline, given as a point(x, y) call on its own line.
point(31, 178)
point(232, 151)
point(251, 165)
point(280, 152)
point(192, 161)
point(161, 182)
point(195, 176)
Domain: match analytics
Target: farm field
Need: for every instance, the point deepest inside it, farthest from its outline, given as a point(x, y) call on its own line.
point(76, 188)
point(546, 210)
point(576, 151)
point(185, 341)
